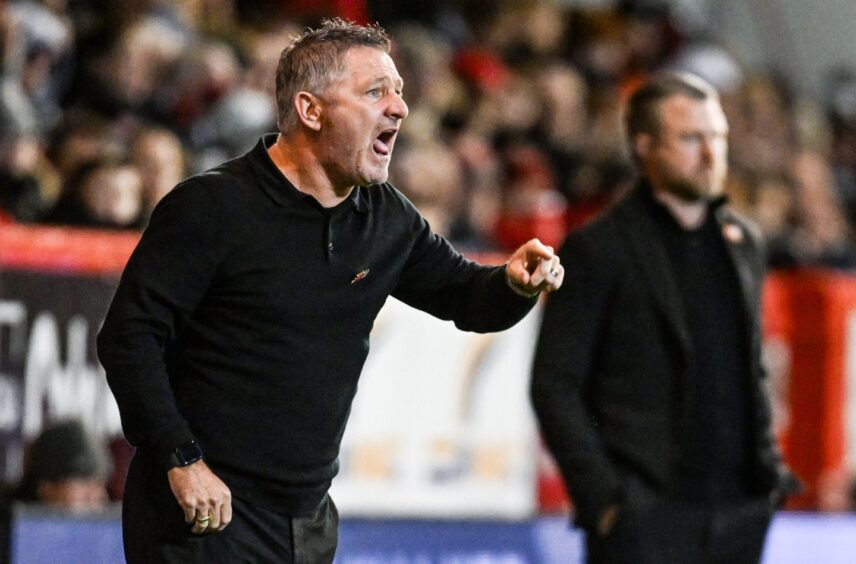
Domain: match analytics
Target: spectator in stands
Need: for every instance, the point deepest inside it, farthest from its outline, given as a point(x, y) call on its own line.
point(159, 157)
point(66, 468)
point(45, 71)
point(564, 121)
point(842, 110)
point(647, 378)
point(232, 112)
point(26, 190)
point(531, 204)
point(82, 137)
point(29, 185)
point(604, 133)
point(240, 326)
point(764, 142)
point(203, 76)
point(104, 194)
point(431, 177)
point(128, 77)
point(511, 112)
point(262, 54)
point(433, 90)
point(595, 185)
point(820, 235)
point(483, 172)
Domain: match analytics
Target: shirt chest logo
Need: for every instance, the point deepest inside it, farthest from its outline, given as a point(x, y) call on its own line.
point(360, 275)
point(732, 233)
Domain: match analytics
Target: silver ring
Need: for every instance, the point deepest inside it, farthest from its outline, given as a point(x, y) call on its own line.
point(554, 272)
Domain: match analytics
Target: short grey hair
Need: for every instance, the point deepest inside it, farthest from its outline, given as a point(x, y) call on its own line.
point(315, 59)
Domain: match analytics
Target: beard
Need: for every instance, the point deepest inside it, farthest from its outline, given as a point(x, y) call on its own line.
point(690, 190)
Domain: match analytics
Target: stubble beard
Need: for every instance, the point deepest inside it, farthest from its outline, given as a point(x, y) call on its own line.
point(377, 176)
point(691, 191)
point(378, 171)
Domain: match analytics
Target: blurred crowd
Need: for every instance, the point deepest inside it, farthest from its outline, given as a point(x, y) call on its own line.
point(515, 125)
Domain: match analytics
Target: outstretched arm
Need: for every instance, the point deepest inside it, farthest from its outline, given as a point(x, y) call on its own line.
point(439, 280)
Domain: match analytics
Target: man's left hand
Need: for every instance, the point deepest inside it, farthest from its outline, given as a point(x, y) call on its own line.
point(534, 268)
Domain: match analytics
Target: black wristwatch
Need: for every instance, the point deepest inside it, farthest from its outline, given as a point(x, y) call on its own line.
point(185, 455)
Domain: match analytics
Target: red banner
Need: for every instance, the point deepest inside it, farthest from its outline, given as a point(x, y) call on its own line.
point(809, 339)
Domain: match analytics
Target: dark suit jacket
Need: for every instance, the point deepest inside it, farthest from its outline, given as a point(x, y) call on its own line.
point(613, 353)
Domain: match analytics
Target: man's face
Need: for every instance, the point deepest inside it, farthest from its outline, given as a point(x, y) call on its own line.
point(74, 494)
point(361, 114)
point(689, 154)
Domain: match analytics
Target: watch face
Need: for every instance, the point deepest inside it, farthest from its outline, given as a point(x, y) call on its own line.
point(188, 453)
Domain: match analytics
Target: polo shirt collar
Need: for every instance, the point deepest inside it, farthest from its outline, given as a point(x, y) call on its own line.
point(280, 189)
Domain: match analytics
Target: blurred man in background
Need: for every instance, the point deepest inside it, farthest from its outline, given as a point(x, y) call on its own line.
point(67, 469)
point(241, 323)
point(647, 377)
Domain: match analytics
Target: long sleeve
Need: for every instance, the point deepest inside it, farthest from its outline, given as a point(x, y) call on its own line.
point(564, 363)
point(167, 275)
point(778, 476)
point(440, 281)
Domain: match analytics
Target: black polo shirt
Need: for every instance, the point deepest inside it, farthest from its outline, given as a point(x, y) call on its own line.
point(243, 317)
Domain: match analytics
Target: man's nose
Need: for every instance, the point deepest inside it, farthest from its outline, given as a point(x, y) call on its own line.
point(397, 109)
point(707, 150)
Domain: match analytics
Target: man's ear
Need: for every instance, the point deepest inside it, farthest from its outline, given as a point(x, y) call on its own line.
point(308, 108)
point(642, 144)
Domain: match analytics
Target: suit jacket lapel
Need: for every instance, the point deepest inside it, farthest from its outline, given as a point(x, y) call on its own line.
point(643, 238)
point(738, 243)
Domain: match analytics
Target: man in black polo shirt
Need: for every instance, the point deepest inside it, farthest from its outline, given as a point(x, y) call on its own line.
point(241, 323)
point(647, 379)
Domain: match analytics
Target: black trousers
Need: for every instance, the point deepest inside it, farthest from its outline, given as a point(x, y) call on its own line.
point(154, 530)
point(662, 532)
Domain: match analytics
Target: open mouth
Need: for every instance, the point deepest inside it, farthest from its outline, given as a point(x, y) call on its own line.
point(382, 144)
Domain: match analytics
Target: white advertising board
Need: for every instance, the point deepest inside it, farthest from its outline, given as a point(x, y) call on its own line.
point(441, 424)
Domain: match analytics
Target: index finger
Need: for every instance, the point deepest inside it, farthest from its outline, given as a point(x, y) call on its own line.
point(536, 249)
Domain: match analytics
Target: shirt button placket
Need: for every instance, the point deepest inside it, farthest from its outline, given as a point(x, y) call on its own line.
point(329, 238)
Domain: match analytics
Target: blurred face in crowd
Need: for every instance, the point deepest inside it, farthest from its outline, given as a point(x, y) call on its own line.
point(359, 120)
point(159, 157)
point(113, 194)
point(688, 155)
point(19, 155)
point(74, 494)
point(433, 178)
